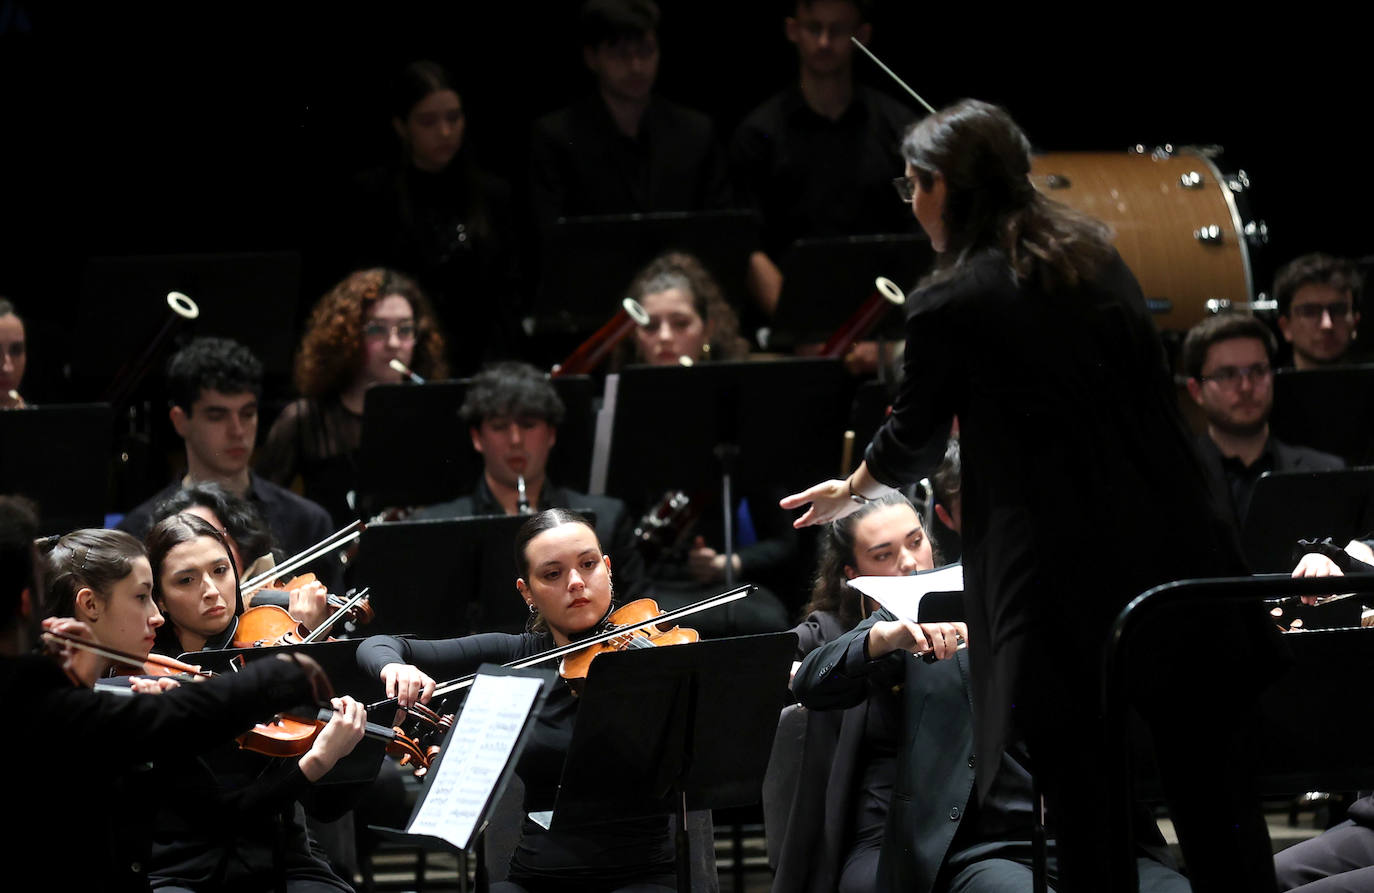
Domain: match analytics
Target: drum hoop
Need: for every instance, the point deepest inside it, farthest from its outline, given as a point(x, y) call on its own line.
point(1236, 224)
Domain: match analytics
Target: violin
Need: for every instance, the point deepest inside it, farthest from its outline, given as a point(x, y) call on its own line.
point(269, 625)
point(287, 736)
point(635, 626)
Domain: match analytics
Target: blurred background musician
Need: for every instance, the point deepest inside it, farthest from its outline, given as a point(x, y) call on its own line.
point(357, 329)
point(13, 356)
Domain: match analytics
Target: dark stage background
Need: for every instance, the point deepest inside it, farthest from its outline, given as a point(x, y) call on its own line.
point(215, 127)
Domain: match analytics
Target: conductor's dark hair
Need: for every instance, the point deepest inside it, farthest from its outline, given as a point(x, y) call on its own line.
point(1314, 269)
point(91, 558)
point(612, 21)
point(1218, 328)
point(241, 519)
point(514, 390)
point(166, 535)
point(18, 527)
point(830, 590)
point(543, 522)
point(214, 364)
point(984, 159)
point(947, 479)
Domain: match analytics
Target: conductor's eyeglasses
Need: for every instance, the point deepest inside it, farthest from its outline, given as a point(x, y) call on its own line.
point(1229, 377)
point(906, 187)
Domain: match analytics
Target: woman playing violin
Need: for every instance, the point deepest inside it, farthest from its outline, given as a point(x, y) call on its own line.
point(112, 737)
point(565, 579)
point(103, 579)
point(232, 818)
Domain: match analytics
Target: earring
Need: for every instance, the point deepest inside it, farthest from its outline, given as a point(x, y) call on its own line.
point(533, 609)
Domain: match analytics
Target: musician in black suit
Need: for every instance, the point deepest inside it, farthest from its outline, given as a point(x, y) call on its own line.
point(1229, 361)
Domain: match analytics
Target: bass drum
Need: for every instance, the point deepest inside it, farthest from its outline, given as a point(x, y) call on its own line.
point(1175, 219)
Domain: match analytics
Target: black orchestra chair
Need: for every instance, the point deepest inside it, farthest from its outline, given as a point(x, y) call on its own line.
point(782, 782)
point(1313, 735)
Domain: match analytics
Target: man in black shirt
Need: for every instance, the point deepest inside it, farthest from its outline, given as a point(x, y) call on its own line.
point(622, 149)
point(513, 413)
point(1228, 359)
point(818, 158)
point(214, 386)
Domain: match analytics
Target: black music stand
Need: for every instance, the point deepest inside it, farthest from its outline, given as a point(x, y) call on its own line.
point(415, 450)
point(590, 261)
point(58, 456)
point(695, 429)
point(1308, 505)
point(439, 579)
point(699, 735)
point(825, 280)
point(1327, 409)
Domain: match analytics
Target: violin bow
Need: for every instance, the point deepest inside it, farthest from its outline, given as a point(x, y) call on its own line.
point(892, 74)
point(323, 630)
point(122, 657)
point(462, 682)
point(334, 541)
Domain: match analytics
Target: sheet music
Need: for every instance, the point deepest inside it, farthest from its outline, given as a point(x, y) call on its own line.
point(902, 595)
point(477, 752)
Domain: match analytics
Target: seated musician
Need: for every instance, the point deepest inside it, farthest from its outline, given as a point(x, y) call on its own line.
point(1229, 362)
point(1319, 313)
point(357, 329)
point(565, 578)
point(102, 578)
point(13, 356)
point(512, 413)
point(248, 538)
point(1342, 857)
point(232, 818)
point(214, 385)
point(689, 323)
point(905, 772)
point(50, 693)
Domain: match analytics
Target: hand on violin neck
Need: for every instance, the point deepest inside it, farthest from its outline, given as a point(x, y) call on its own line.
point(150, 685)
point(309, 604)
point(407, 684)
point(336, 740)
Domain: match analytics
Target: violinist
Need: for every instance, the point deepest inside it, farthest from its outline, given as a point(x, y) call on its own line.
point(232, 818)
point(109, 737)
point(565, 579)
point(362, 324)
point(903, 747)
point(102, 578)
point(249, 540)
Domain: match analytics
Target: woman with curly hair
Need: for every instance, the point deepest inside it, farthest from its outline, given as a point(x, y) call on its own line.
point(689, 319)
point(369, 319)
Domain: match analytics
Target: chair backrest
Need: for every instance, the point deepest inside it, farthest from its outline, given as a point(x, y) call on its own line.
point(781, 781)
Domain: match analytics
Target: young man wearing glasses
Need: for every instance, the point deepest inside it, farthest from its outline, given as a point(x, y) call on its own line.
point(1229, 362)
point(1318, 313)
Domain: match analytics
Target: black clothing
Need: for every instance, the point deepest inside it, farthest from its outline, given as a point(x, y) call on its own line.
point(810, 176)
point(615, 852)
point(581, 164)
point(454, 231)
point(1339, 860)
point(934, 822)
point(1075, 455)
point(108, 737)
point(297, 523)
point(1239, 480)
point(317, 439)
point(614, 527)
